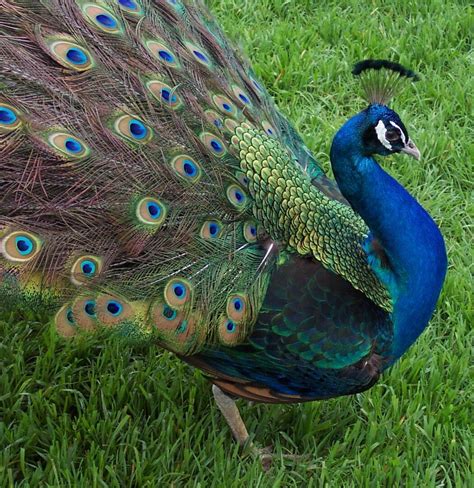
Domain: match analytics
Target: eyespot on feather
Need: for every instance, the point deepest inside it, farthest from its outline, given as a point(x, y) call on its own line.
point(256, 84)
point(64, 322)
point(131, 7)
point(178, 331)
point(178, 292)
point(166, 318)
point(102, 19)
point(9, 118)
point(242, 97)
point(236, 196)
point(70, 55)
point(112, 310)
point(211, 229)
point(250, 232)
point(84, 312)
point(164, 94)
point(133, 129)
point(186, 168)
point(229, 332)
point(20, 246)
point(214, 118)
point(268, 128)
point(199, 54)
point(243, 179)
point(68, 145)
point(151, 211)
point(161, 51)
point(214, 144)
point(237, 305)
point(224, 105)
point(85, 268)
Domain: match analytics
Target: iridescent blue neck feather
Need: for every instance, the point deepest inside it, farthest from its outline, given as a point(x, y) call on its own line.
point(410, 239)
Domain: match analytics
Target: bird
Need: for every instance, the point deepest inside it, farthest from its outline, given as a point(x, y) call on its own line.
point(150, 187)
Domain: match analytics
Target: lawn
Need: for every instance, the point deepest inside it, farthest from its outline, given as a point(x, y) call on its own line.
point(95, 413)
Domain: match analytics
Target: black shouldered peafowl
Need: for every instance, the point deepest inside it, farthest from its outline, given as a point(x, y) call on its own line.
point(150, 186)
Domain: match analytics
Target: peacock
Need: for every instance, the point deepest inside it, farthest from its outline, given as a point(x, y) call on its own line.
point(150, 187)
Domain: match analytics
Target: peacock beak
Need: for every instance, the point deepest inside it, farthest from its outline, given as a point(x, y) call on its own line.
point(411, 150)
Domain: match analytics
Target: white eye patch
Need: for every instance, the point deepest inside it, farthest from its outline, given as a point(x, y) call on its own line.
point(401, 132)
point(381, 130)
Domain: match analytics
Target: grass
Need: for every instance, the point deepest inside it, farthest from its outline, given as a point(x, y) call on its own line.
point(95, 413)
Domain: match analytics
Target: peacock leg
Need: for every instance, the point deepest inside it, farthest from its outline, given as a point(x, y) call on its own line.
point(231, 413)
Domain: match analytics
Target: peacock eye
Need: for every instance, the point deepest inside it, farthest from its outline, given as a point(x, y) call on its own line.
point(392, 135)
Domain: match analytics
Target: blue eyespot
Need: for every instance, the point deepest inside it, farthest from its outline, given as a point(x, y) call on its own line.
point(198, 54)
point(244, 98)
point(137, 129)
point(250, 232)
point(168, 96)
point(7, 116)
point(133, 129)
point(88, 267)
point(257, 85)
point(201, 56)
point(268, 128)
point(154, 210)
point(89, 308)
point(68, 145)
point(186, 168)
point(169, 313)
point(106, 21)
point(151, 212)
point(189, 168)
point(236, 196)
point(114, 308)
point(224, 104)
point(230, 326)
point(24, 245)
point(213, 229)
point(76, 56)
point(237, 304)
point(128, 4)
point(166, 56)
point(179, 290)
point(73, 145)
point(216, 145)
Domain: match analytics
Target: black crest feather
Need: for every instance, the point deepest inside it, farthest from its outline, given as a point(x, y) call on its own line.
point(382, 79)
point(378, 64)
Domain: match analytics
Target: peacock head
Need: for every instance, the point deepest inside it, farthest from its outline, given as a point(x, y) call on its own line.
point(383, 132)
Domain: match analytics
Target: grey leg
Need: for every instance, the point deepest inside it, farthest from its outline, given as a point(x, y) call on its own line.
point(231, 413)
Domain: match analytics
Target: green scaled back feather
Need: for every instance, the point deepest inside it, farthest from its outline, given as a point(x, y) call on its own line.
point(125, 197)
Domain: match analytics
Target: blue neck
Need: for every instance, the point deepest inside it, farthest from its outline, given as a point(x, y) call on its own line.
point(410, 239)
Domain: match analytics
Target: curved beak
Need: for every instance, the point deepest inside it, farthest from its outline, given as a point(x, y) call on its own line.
point(411, 150)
